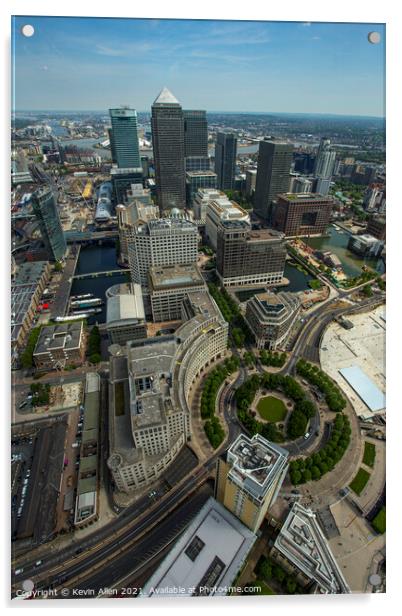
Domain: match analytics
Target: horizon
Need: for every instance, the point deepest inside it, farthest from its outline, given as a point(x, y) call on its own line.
point(98, 63)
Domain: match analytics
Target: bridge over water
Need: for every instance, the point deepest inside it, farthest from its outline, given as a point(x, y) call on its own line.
point(115, 272)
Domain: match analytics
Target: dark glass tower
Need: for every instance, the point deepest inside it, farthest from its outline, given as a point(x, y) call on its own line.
point(195, 133)
point(168, 147)
point(45, 210)
point(273, 175)
point(225, 160)
point(124, 138)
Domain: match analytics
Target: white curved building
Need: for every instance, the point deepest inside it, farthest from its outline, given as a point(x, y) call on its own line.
point(149, 388)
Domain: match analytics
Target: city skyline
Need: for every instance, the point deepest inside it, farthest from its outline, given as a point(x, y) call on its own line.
point(200, 63)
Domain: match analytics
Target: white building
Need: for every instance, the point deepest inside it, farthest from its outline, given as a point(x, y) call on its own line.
point(218, 210)
point(206, 558)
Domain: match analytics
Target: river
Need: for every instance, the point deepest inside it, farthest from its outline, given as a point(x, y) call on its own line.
point(97, 259)
point(337, 242)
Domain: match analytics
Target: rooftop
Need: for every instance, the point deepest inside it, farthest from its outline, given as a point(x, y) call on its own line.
point(303, 197)
point(30, 272)
point(65, 336)
point(368, 391)
point(255, 463)
point(303, 543)
point(175, 276)
point(206, 558)
point(165, 97)
point(125, 306)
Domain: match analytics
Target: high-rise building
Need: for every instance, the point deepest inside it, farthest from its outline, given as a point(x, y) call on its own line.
point(166, 241)
point(324, 166)
point(198, 163)
point(168, 147)
point(249, 479)
point(221, 209)
point(225, 160)
point(300, 184)
point(302, 214)
point(273, 175)
point(169, 285)
point(195, 133)
point(124, 138)
point(251, 178)
point(45, 209)
point(246, 257)
point(270, 317)
point(196, 180)
point(123, 179)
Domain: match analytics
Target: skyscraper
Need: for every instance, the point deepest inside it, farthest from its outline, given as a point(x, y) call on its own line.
point(195, 133)
point(273, 175)
point(45, 209)
point(124, 138)
point(225, 160)
point(324, 166)
point(168, 147)
point(249, 479)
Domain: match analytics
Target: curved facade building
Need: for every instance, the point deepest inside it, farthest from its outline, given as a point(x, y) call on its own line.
point(149, 388)
point(271, 316)
point(103, 211)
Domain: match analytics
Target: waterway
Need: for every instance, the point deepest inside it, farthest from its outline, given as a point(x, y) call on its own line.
point(298, 281)
point(97, 259)
point(337, 242)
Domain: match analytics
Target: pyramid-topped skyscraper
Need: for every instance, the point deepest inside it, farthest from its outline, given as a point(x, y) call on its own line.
point(168, 148)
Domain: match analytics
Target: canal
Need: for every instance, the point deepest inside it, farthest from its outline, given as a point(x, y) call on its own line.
point(97, 259)
point(298, 281)
point(336, 242)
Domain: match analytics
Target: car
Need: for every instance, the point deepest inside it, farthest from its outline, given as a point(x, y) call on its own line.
point(38, 562)
point(18, 571)
point(306, 435)
point(24, 403)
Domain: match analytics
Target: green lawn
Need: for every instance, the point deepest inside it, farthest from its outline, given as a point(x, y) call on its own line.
point(379, 521)
point(360, 481)
point(271, 409)
point(369, 454)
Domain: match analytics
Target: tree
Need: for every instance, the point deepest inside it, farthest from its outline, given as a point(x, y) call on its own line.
point(95, 358)
point(315, 473)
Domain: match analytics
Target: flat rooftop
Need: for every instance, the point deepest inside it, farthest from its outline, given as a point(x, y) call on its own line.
point(364, 387)
point(30, 272)
point(304, 197)
point(255, 463)
point(206, 558)
point(175, 276)
point(65, 336)
point(303, 543)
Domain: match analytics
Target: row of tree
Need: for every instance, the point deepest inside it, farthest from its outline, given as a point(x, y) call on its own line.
point(273, 358)
point(27, 355)
point(94, 345)
point(213, 382)
point(268, 569)
point(239, 329)
point(333, 397)
point(321, 462)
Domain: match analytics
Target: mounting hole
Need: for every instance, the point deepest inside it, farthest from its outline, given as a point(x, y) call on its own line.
point(374, 37)
point(28, 30)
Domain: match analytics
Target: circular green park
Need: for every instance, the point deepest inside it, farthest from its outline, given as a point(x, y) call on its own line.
point(271, 409)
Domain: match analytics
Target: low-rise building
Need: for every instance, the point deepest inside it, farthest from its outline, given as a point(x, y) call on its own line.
point(60, 345)
point(125, 316)
point(249, 478)
point(201, 199)
point(376, 227)
point(365, 245)
point(86, 504)
point(301, 548)
point(206, 559)
point(169, 285)
point(270, 317)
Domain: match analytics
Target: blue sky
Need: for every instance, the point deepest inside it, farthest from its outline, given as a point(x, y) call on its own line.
point(93, 64)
